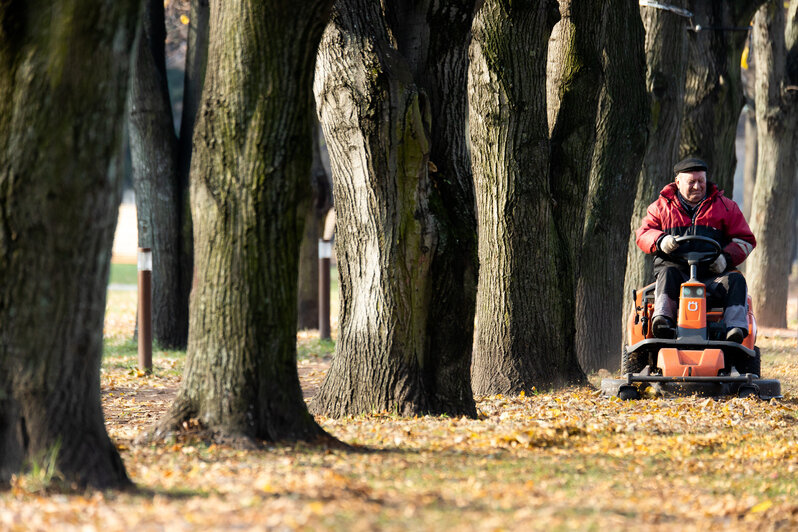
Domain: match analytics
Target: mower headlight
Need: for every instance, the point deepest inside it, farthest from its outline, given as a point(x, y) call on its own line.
point(699, 292)
point(687, 291)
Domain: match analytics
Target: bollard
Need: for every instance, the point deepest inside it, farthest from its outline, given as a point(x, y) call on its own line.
point(325, 253)
point(145, 309)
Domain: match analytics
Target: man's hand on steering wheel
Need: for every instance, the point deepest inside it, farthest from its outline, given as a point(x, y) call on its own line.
point(668, 244)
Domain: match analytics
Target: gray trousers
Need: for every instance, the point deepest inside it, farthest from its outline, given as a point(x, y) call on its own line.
point(727, 290)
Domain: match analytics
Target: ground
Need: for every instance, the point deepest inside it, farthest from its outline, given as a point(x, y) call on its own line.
point(566, 460)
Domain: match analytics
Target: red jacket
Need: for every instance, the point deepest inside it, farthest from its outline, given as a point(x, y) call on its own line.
point(716, 217)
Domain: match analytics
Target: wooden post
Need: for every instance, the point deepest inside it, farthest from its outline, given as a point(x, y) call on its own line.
point(145, 309)
point(325, 253)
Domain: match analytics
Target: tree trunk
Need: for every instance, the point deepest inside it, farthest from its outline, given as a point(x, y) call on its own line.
point(713, 89)
point(773, 210)
point(525, 302)
point(666, 63)
point(153, 147)
point(63, 77)
point(252, 152)
point(314, 208)
point(750, 163)
point(434, 37)
point(194, 79)
point(402, 345)
point(621, 135)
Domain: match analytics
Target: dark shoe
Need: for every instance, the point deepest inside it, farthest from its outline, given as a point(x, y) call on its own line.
point(736, 335)
point(663, 327)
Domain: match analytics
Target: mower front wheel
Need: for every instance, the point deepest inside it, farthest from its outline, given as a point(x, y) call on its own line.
point(631, 362)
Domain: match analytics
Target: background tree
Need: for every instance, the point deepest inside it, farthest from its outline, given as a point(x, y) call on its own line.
point(552, 221)
point(713, 88)
point(524, 331)
point(316, 202)
point(390, 88)
point(63, 77)
point(666, 64)
point(154, 155)
point(621, 133)
point(773, 209)
point(252, 153)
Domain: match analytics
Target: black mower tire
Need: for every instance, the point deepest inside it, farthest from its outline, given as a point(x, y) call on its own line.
point(631, 362)
point(751, 364)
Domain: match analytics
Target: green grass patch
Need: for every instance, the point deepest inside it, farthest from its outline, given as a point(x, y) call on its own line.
point(314, 348)
point(123, 274)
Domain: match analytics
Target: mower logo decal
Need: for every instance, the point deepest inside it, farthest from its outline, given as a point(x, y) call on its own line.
point(692, 306)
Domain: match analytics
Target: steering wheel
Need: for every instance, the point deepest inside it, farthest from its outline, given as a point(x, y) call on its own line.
point(686, 253)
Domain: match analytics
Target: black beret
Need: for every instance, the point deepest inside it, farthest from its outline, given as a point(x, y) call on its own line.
point(691, 164)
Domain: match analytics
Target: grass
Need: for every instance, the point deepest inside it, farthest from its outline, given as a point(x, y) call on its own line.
point(125, 274)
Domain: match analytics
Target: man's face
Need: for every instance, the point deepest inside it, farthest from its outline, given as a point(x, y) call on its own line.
point(692, 185)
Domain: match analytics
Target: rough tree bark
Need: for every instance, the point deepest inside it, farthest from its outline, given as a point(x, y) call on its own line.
point(252, 152)
point(525, 302)
point(621, 136)
point(63, 77)
point(313, 207)
point(385, 98)
point(154, 155)
point(193, 81)
point(433, 36)
point(713, 89)
point(666, 64)
point(773, 210)
point(554, 285)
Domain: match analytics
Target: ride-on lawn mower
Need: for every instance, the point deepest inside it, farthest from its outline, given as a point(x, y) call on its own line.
point(699, 361)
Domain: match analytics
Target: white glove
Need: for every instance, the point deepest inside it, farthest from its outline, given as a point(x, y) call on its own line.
point(719, 266)
point(668, 244)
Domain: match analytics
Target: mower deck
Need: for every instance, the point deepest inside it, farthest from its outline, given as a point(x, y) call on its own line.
point(745, 385)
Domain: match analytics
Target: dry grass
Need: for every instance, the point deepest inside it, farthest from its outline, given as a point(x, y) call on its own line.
point(568, 460)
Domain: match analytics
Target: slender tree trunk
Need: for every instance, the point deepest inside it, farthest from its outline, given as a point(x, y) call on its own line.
point(389, 217)
point(773, 210)
point(524, 331)
point(252, 152)
point(63, 77)
point(750, 164)
point(666, 63)
point(194, 80)
point(713, 89)
point(314, 208)
point(153, 146)
point(621, 136)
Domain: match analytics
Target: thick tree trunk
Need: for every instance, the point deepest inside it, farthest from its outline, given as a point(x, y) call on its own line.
point(577, 100)
point(666, 63)
point(390, 219)
point(314, 208)
point(621, 135)
point(63, 80)
point(773, 209)
point(252, 152)
point(433, 37)
point(153, 147)
point(713, 89)
point(524, 332)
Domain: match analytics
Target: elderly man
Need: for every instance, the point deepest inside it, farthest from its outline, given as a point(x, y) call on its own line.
point(691, 205)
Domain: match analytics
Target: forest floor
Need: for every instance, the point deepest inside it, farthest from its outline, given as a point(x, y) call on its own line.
point(565, 460)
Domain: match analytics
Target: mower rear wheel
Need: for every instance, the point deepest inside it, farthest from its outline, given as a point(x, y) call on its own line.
point(751, 364)
point(631, 362)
